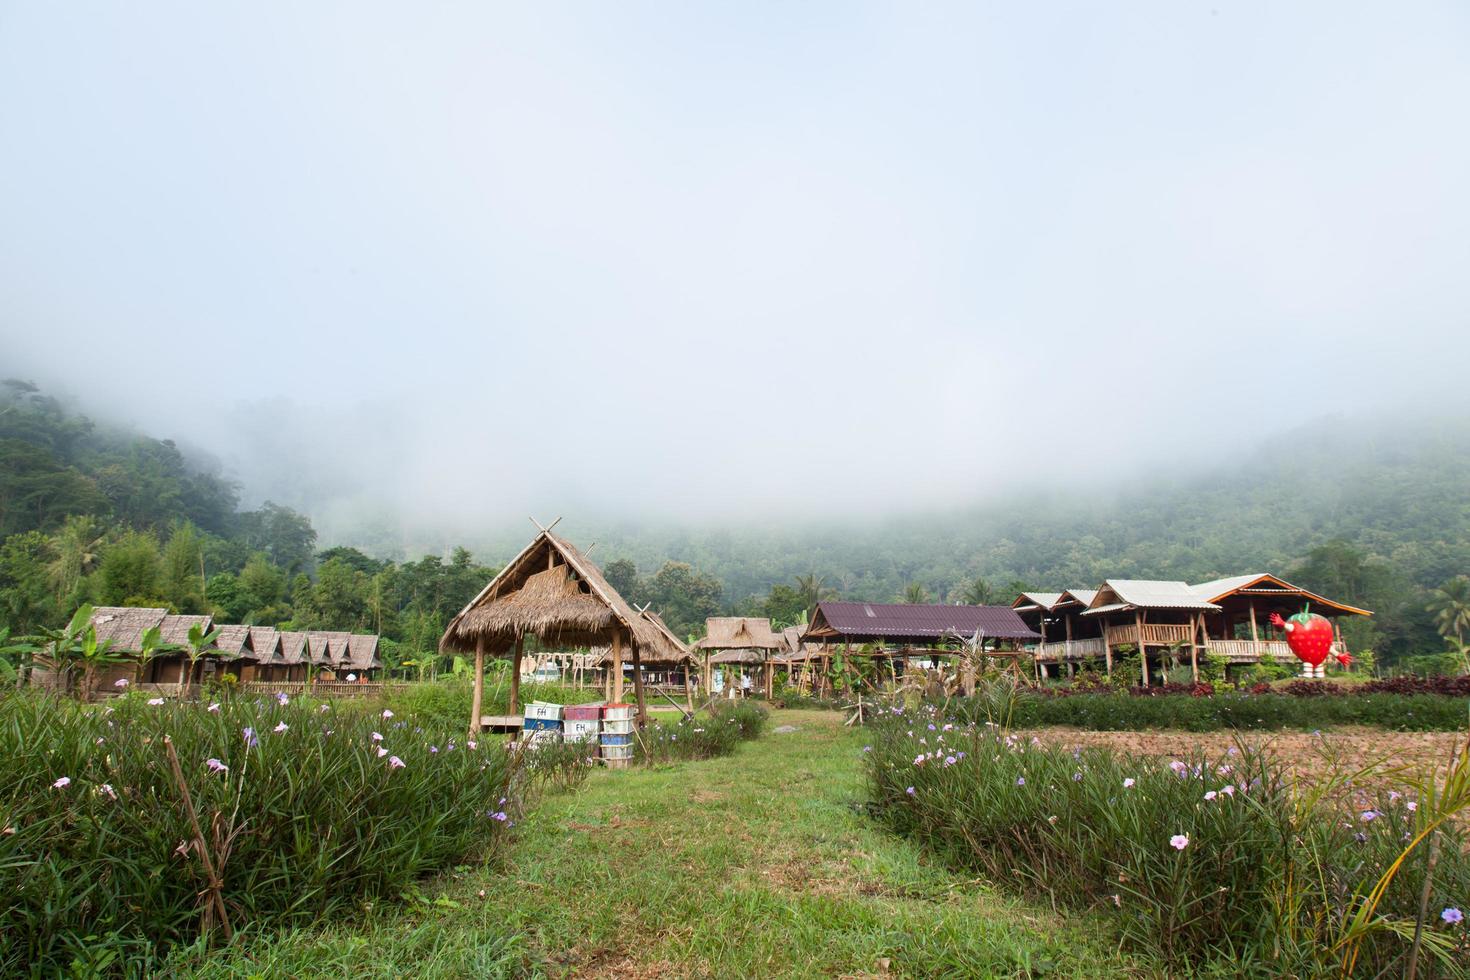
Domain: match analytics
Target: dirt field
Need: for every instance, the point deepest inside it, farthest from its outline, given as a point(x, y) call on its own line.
point(1404, 754)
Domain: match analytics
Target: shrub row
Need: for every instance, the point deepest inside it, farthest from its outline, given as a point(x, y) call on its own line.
point(1197, 859)
point(306, 809)
point(1123, 712)
point(728, 724)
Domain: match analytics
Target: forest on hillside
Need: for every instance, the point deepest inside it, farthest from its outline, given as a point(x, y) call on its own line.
point(1374, 514)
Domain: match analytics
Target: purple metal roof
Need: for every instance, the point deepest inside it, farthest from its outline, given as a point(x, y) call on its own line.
point(916, 623)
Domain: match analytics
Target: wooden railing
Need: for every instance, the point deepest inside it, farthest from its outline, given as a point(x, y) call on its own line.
point(324, 689)
point(1154, 634)
point(1071, 649)
point(1248, 651)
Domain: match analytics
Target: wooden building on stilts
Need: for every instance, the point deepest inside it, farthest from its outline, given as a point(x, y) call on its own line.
point(1164, 620)
point(550, 591)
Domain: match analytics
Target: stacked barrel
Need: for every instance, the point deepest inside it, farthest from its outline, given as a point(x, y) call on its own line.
point(616, 738)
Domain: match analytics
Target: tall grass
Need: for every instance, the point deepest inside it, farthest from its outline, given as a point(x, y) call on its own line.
point(305, 811)
point(1205, 860)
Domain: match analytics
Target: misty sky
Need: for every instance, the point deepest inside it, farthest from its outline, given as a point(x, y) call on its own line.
point(469, 261)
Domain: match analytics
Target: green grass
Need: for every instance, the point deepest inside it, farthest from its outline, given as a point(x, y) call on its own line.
point(761, 863)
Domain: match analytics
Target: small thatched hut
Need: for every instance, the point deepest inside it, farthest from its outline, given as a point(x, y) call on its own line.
point(553, 592)
point(752, 637)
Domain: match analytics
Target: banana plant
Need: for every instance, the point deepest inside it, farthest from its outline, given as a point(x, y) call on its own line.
point(93, 656)
point(150, 646)
point(59, 649)
point(200, 643)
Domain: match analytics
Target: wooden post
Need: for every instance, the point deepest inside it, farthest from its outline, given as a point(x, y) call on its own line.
point(770, 678)
point(477, 699)
point(515, 675)
point(1194, 635)
point(617, 668)
point(1255, 633)
point(1107, 648)
point(638, 687)
point(1142, 650)
point(688, 690)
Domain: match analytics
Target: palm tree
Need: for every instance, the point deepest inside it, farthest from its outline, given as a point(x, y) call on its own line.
point(77, 547)
point(915, 594)
point(813, 589)
point(978, 593)
point(1450, 604)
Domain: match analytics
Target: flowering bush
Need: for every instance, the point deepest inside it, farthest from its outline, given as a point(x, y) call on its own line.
point(302, 810)
point(1196, 858)
point(701, 738)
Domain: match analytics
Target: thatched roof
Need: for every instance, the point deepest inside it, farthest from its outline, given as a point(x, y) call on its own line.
point(739, 633)
point(266, 643)
point(669, 649)
point(327, 647)
point(362, 652)
point(737, 657)
point(234, 641)
point(551, 591)
point(293, 647)
point(125, 625)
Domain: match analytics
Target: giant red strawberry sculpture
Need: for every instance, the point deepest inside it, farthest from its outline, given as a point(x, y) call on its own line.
point(1308, 635)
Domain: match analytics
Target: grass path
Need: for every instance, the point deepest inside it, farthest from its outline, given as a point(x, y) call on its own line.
point(760, 864)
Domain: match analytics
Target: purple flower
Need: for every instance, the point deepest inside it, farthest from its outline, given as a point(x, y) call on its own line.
point(382, 752)
point(216, 766)
point(1020, 780)
point(1411, 806)
point(910, 791)
point(106, 790)
point(281, 698)
point(1369, 816)
point(377, 737)
point(387, 713)
point(62, 783)
point(1128, 783)
point(471, 744)
point(1211, 795)
point(949, 760)
point(213, 708)
point(433, 750)
point(1452, 916)
point(155, 701)
point(121, 682)
point(1179, 842)
point(499, 815)
point(394, 762)
point(1077, 777)
point(324, 708)
point(280, 728)
point(867, 748)
point(251, 741)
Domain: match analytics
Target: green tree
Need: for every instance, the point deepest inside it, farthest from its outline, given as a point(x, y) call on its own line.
point(339, 599)
point(915, 594)
point(622, 575)
point(1450, 604)
point(183, 568)
point(27, 597)
point(131, 571)
point(812, 589)
point(978, 592)
point(784, 605)
point(76, 550)
point(685, 598)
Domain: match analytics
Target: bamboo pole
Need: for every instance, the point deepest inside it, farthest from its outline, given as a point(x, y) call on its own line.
point(515, 675)
point(1142, 650)
point(477, 699)
point(216, 885)
point(617, 668)
point(1255, 633)
point(1194, 646)
point(638, 687)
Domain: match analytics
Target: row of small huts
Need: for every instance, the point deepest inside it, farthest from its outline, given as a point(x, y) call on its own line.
point(249, 653)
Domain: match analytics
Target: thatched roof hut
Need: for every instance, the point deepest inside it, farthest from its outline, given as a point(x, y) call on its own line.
point(739, 633)
point(553, 592)
point(362, 652)
point(669, 649)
